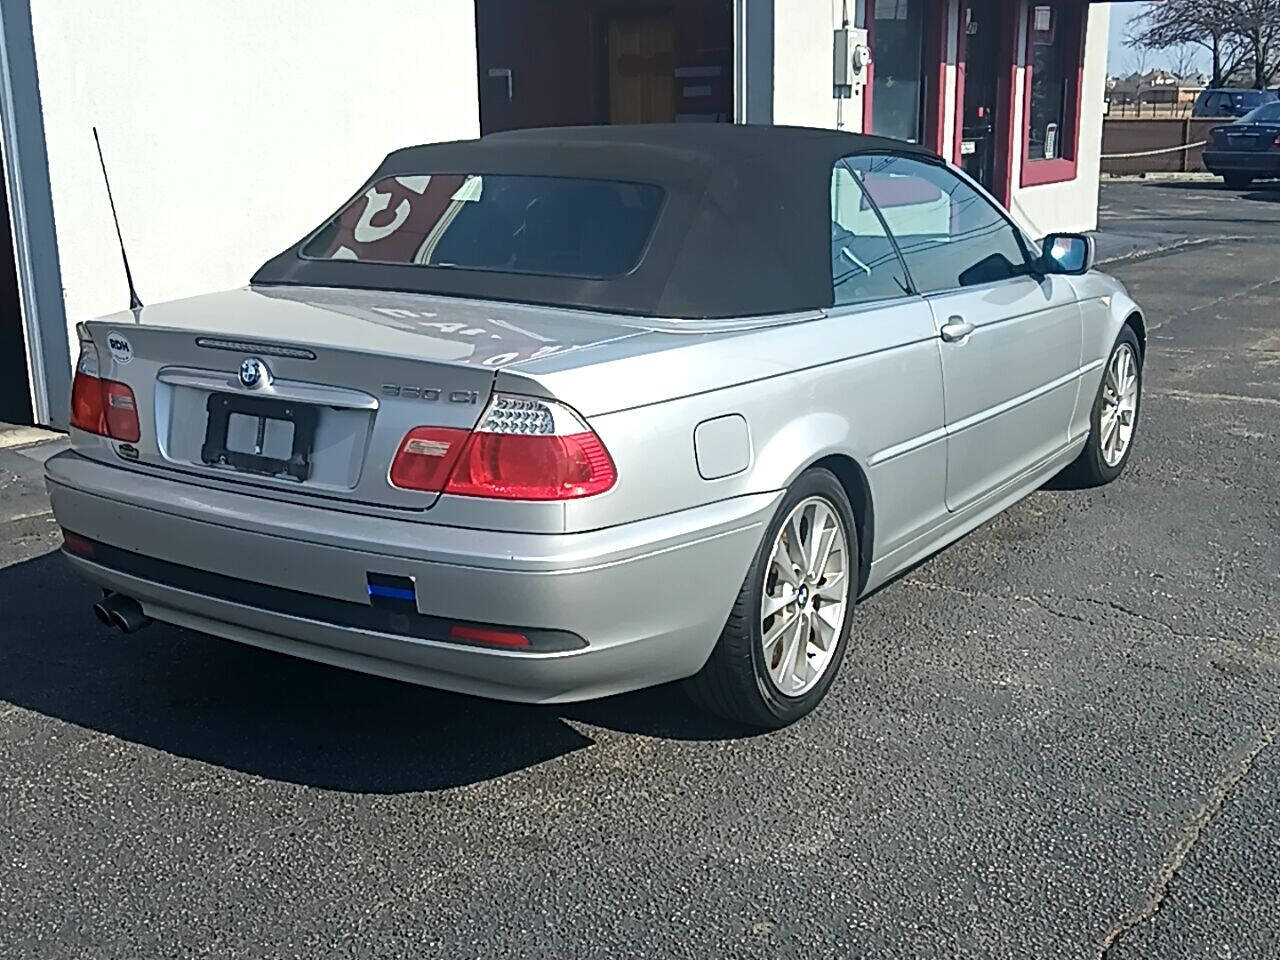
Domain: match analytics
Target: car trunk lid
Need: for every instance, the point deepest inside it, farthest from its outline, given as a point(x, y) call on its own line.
point(310, 391)
point(1246, 137)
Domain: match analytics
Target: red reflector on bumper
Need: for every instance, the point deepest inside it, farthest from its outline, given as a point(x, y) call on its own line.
point(493, 638)
point(74, 543)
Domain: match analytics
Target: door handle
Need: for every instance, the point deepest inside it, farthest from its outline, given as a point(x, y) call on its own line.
point(956, 329)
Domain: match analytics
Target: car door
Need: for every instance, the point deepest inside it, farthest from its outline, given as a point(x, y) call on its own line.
point(1010, 340)
point(890, 388)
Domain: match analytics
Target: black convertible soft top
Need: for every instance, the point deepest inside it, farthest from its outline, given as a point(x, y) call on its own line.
point(745, 228)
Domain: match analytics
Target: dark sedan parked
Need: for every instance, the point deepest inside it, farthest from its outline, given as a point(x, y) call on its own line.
point(1248, 149)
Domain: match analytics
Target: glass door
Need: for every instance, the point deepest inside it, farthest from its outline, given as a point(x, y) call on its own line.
point(897, 39)
point(980, 38)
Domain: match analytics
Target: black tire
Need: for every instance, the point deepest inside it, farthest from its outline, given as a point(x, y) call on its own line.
point(1091, 469)
point(735, 683)
point(1237, 181)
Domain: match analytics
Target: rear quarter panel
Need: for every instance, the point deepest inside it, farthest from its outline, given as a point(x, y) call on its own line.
point(860, 383)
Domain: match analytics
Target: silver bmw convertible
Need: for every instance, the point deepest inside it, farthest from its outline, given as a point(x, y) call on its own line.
point(556, 414)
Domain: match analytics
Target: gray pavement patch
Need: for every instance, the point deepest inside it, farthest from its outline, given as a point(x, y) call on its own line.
point(1204, 817)
point(1202, 397)
point(22, 491)
point(1115, 247)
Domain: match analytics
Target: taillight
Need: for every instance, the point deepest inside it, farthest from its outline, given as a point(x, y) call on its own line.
point(122, 412)
point(426, 456)
point(523, 448)
point(87, 412)
point(105, 407)
point(1275, 145)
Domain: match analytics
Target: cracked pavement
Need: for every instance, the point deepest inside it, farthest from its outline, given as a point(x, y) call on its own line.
point(1054, 739)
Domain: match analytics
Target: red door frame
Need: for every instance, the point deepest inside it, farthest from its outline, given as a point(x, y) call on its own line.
point(1062, 168)
point(1002, 174)
point(933, 64)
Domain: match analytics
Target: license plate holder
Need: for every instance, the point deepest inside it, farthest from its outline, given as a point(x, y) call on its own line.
point(259, 435)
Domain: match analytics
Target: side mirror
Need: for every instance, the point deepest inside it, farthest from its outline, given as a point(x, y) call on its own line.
point(1067, 253)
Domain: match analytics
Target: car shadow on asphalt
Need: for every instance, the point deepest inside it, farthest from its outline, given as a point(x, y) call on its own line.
point(282, 718)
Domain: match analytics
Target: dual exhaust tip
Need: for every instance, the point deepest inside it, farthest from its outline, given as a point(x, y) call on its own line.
point(123, 613)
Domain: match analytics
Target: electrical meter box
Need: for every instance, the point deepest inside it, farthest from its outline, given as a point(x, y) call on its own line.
point(852, 57)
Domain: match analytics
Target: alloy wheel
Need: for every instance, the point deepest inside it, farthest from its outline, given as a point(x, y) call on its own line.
point(805, 598)
point(1119, 404)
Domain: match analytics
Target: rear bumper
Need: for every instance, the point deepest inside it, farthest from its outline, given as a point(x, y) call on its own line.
point(648, 598)
point(1260, 163)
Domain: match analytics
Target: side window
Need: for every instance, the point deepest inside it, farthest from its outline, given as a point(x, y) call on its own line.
point(950, 235)
point(864, 265)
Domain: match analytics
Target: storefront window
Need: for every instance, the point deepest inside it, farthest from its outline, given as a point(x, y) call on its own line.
point(897, 36)
point(1053, 57)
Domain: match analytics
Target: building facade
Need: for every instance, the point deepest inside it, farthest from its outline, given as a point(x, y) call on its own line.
point(231, 127)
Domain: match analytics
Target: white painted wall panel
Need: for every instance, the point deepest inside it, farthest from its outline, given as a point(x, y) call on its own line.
point(1071, 205)
point(231, 126)
point(802, 73)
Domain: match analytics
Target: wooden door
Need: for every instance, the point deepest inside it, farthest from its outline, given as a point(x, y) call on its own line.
point(642, 87)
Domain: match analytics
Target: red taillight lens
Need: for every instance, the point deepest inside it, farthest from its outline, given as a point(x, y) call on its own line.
point(513, 467)
point(105, 407)
point(527, 448)
point(523, 448)
point(121, 411)
point(87, 411)
point(1276, 144)
point(426, 456)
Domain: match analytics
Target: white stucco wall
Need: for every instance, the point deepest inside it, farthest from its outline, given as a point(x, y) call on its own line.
point(230, 128)
point(802, 65)
point(1072, 205)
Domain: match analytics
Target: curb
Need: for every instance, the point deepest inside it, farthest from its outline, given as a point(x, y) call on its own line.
point(1156, 176)
point(12, 438)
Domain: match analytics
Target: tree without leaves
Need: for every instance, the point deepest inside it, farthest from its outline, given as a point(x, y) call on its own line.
point(1139, 56)
point(1215, 25)
point(1259, 28)
point(1182, 60)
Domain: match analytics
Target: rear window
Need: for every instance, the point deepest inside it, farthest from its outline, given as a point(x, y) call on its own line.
point(1251, 98)
point(1267, 113)
point(555, 226)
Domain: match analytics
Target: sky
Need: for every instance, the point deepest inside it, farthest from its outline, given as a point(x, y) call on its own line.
point(1120, 59)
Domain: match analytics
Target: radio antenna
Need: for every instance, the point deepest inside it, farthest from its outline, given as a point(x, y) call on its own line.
point(134, 302)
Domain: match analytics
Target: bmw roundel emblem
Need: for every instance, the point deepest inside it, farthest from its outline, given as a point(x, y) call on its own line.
point(254, 373)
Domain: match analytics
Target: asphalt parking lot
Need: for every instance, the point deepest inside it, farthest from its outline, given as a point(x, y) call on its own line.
point(1055, 739)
